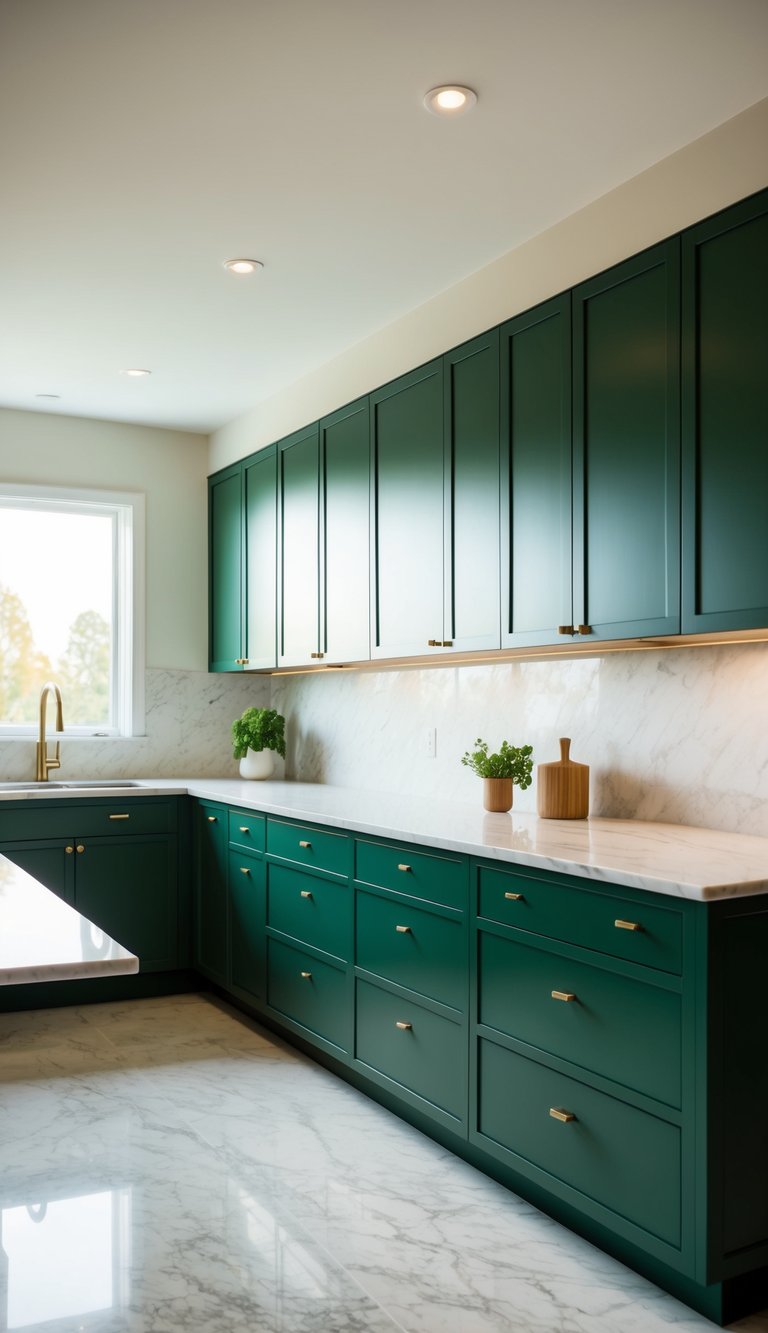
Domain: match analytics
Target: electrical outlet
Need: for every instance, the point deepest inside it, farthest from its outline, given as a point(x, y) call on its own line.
point(430, 738)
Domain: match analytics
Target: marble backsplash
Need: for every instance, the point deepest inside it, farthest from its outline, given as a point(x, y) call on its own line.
point(188, 719)
point(674, 735)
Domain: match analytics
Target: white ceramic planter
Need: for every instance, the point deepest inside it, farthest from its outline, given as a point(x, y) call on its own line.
point(257, 764)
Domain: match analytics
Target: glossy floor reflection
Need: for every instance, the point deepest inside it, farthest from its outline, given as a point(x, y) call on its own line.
point(164, 1166)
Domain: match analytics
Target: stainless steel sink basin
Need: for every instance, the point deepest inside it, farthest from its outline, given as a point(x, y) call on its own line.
point(95, 784)
point(111, 786)
point(29, 786)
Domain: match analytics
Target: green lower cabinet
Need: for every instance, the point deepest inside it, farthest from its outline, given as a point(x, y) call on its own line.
point(129, 887)
point(314, 911)
point(624, 1163)
point(310, 992)
point(413, 947)
point(247, 896)
point(210, 948)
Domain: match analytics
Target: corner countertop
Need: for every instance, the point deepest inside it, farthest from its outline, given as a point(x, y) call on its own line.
point(43, 939)
point(673, 859)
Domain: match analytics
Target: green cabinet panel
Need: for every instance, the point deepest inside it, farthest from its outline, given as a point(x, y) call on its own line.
point(260, 573)
point(439, 878)
point(309, 992)
point(309, 846)
point(631, 928)
point(247, 879)
point(52, 863)
point(422, 1051)
point(103, 818)
point(211, 931)
point(471, 558)
point(298, 548)
point(626, 430)
point(345, 540)
point(315, 911)
point(536, 592)
point(407, 514)
point(247, 830)
point(225, 570)
point(613, 1154)
point(725, 420)
point(624, 1029)
point(128, 886)
point(413, 947)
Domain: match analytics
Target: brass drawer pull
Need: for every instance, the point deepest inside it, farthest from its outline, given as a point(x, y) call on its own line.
point(563, 995)
point(317, 654)
point(404, 1027)
point(241, 661)
point(69, 849)
point(244, 829)
point(244, 870)
point(307, 976)
point(80, 847)
point(213, 819)
point(404, 867)
point(305, 844)
point(627, 925)
point(515, 897)
point(306, 893)
point(403, 930)
point(119, 816)
point(565, 629)
point(585, 629)
point(447, 643)
point(434, 643)
point(564, 1117)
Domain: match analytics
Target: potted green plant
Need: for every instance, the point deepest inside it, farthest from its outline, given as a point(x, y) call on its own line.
point(257, 733)
point(511, 767)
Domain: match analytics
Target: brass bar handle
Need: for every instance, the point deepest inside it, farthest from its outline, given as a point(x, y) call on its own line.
point(119, 816)
point(565, 629)
point(585, 629)
point(307, 976)
point(244, 870)
point(403, 930)
point(447, 643)
point(80, 847)
point(69, 849)
point(404, 1027)
point(404, 868)
point(627, 925)
point(244, 829)
point(213, 819)
point(557, 1113)
point(304, 844)
point(565, 995)
point(515, 897)
point(317, 654)
point(306, 893)
point(434, 643)
point(241, 661)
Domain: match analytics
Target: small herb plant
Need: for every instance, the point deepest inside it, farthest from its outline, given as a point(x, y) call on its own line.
point(512, 761)
point(258, 729)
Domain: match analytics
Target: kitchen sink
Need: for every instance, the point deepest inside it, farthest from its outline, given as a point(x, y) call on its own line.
point(96, 784)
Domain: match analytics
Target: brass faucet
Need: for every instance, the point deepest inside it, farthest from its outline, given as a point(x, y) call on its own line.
point(43, 762)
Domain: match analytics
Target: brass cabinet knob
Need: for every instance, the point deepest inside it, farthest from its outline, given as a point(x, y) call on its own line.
point(80, 847)
point(403, 930)
point(69, 849)
point(306, 976)
point(565, 629)
point(585, 629)
point(404, 868)
point(627, 925)
point(565, 995)
point(304, 844)
point(515, 897)
point(306, 893)
point(244, 829)
point(557, 1113)
point(213, 819)
point(404, 1027)
point(244, 870)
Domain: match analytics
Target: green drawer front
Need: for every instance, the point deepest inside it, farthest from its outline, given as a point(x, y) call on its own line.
point(247, 892)
point(427, 1057)
point(308, 991)
point(315, 911)
point(82, 821)
point(584, 918)
point(440, 879)
point(247, 831)
point(614, 1154)
point(310, 847)
point(625, 1030)
point(413, 947)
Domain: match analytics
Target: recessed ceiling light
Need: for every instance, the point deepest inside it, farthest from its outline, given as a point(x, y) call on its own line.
point(47, 395)
point(136, 373)
point(450, 99)
point(243, 266)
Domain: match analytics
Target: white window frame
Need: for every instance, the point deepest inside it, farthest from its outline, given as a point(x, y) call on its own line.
point(127, 508)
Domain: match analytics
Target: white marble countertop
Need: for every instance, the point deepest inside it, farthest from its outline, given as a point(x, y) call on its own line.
point(43, 939)
point(685, 862)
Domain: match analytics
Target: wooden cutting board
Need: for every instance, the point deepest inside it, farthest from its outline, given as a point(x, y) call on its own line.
point(562, 788)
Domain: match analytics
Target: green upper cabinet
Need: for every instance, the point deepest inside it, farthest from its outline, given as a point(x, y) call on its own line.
point(435, 505)
point(725, 420)
point(298, 544)
point(471, 494)
point(536, 584)
point(345, 534)
point(626, 438)
point(260, 520)
point(225, 570)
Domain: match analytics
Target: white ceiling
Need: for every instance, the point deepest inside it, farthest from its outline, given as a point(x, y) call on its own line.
point(143, 143)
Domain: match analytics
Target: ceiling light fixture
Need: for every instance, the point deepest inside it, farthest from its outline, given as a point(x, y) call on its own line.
point(450, 99)
point(136, 372)
point(243, 266)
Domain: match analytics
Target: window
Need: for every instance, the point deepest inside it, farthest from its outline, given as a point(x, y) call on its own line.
point(71, 608)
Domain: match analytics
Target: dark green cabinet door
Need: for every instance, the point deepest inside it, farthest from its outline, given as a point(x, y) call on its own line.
point(407, 514)
point(129, 887)
point(225, 562)
point(247, 875)
point(210, 936)
point(345, 539)
point(52, 863)
point(471, 407)
point(626, 448)
point(725, 420)
point(260, 510)
point(536, 595)
point(298, 547)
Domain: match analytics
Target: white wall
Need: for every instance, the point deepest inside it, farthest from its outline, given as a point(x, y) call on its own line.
point(721, 167)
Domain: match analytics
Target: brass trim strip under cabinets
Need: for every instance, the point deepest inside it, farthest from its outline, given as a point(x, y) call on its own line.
point(564, 1117)
point(566, 995)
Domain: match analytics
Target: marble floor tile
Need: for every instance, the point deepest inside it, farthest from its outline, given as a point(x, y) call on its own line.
point(168, 1167)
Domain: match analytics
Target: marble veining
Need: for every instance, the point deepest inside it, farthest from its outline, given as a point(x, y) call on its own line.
point(198, 1174)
